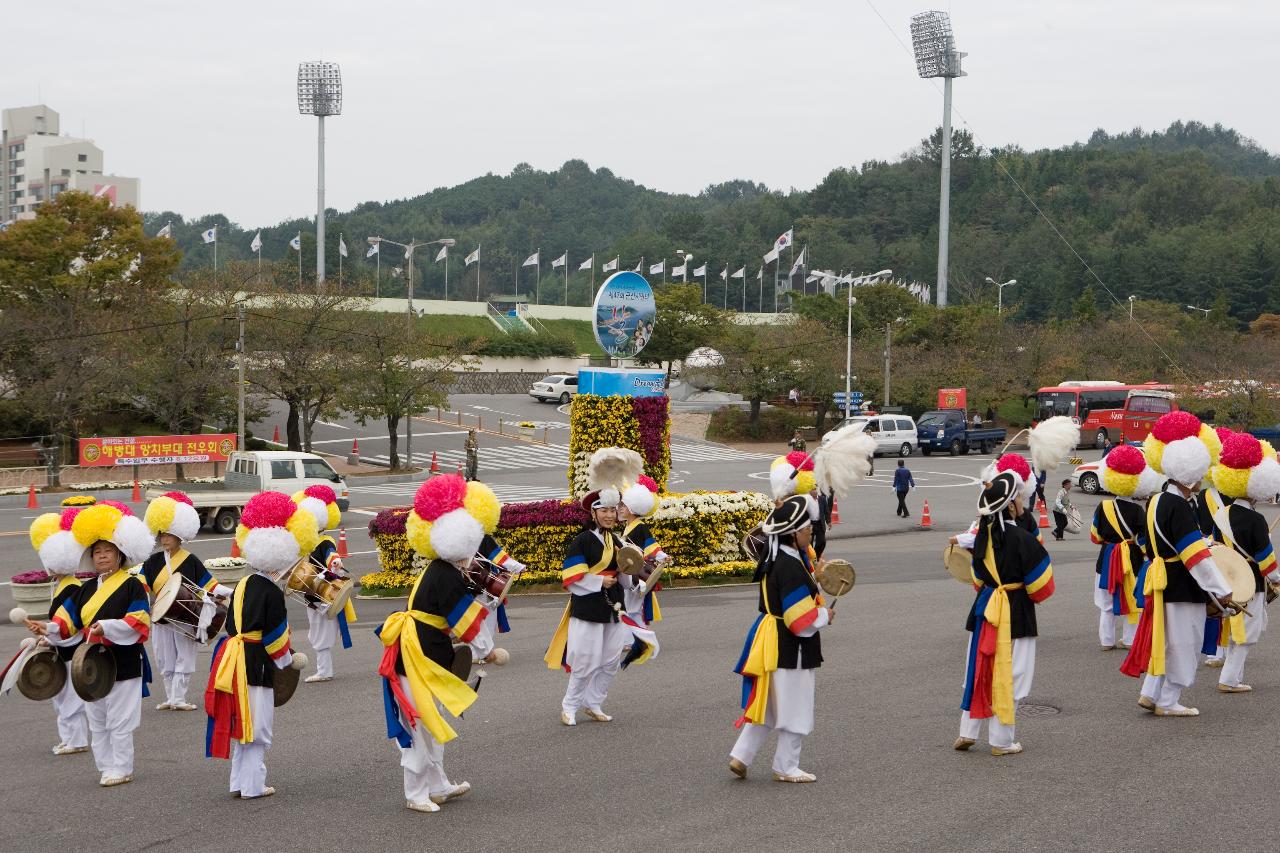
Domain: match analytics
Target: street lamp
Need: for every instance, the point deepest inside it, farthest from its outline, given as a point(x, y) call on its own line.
point(319, 95)
point(848, 333)
point(1000, 291)
point(887, 344)
point(936, 56)
point(1198, 308)
point(685, 258)
point(408, 254)
point(1132, 299)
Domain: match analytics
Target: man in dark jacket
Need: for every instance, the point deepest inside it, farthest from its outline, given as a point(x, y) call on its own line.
point(903, 483)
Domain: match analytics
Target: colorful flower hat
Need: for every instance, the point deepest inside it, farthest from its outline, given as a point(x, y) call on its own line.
point(1246, 470)
point(173, 513)
point(1125, 473)
point(782, 484)
point(1018, 465)
point(274, 532)
point(1182, 448)
point(450, 517)
point(642, 497)
point(58, 549)
point(110, 521)
point(322, 502)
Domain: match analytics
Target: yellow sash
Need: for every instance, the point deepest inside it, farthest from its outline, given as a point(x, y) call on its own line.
point(999, 615)
point(560, 638)
point(762, 661)
point(162, 577)
point(428, 680)
point(1130, 582)
point(66, 581)
point(1232, 626)
point(1153, 590)
point(101, 594)
point(232, 675)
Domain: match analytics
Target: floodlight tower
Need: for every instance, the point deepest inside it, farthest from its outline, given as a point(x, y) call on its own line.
point(319, 95)
point(936, 56)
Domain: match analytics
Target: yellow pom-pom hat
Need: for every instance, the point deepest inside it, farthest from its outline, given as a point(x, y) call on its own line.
point(322, 502)
point(110, 521)
point(275, 532)
point(781, 482)
point(173, 513)
point(450, 517)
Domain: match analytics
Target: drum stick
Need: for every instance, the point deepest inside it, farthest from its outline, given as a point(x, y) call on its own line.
point(844, 587)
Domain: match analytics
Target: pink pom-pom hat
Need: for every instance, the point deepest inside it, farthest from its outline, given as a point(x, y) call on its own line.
point(800, 460)
point(1241, 451)
point(439, 495)
point(1175, 425)
point(1125, 459)
point(268, 509)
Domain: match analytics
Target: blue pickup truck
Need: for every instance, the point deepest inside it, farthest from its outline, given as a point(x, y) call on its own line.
point(948, 430)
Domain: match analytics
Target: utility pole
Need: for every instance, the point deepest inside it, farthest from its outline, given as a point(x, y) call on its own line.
point(240, 390)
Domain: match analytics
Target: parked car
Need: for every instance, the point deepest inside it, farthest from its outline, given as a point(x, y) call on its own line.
point(557, 387)
point(949, 430)
point(1088, 478)
point(252, 471)
point(894, 434)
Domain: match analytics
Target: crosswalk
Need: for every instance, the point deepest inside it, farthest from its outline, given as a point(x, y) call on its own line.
point(505, 493)
point(685, 453)
point(525, 457)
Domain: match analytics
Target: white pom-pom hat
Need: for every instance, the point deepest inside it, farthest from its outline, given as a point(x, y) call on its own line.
point(639, 500)
point(275, 532)
point(173, 513)
point(53, 542)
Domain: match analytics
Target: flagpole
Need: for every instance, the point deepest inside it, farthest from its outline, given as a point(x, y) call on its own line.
point(340, 242)
point(446, 273)
point(215, 253)
point(377, 276)
point(744, 294)
point(477, 272)
point(760, 295)
point(299, 261)
point(537, 281)
point(566, 274)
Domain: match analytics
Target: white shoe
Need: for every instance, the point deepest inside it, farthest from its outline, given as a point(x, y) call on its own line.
point(799, 776)
point(1177, 711)
point(452, 794)
point(165, 706)
point(1011, 749)
point(1214, 663)
point(63, 749)
point(183, 706)
point(598, 715)
point(428, 806)
point(266, 792)
point(568, 719)
point(315, 679)
point(112, 781)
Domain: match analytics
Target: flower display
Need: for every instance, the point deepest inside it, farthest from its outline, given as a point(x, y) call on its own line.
point(642, 424)
point(79, 500)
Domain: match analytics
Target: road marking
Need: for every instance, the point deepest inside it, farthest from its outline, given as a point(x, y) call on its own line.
point(363, 511)
point(885, 481)
point(336, 426)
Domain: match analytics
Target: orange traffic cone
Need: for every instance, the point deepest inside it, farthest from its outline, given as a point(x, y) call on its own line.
point(1044, 515)
point(355, 447)
point(459, 469)
point(275, 436)
point(342, 542)
point(137, 492)
point(435, 466)
point(235, 547)
point(835, 511)
point(926, 520)
point(31, 499)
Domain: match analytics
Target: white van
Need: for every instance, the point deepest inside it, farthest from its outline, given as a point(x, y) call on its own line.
point(895, 435)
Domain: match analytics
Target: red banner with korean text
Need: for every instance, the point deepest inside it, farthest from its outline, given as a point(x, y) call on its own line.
point(952, 398)
point(155, 449)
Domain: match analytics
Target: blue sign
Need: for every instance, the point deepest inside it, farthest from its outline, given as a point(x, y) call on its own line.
point(624, 313)
point(854, 397)
point(621, 382)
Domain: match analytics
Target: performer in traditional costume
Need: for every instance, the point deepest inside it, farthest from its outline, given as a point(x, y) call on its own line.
point(638, 502)
point(274, 533)
point(1182, 574)
point(594, 630)
point(497, 558)
point(1120, 528)
point(322, 627)
point(173, 520)
point(1011, 573)
point(446, 526)
point(1247, 472)
point(1026, 481)
point(783, 647)
point(60, 555)
point(1206, 502)
point(111, 609)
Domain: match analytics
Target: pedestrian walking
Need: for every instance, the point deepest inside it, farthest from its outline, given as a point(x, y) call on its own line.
point(797, 442)
point(472, 447)
point(1061, 506)
point(903, 482)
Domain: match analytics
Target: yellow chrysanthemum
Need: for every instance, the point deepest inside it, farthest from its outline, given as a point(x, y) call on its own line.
point(43, 527)
point(302, 525)
point(95, 523)
point(483, 505)
point(160, 514)
point(418, 531)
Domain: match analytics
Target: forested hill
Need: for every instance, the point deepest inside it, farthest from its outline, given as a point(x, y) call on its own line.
point(1189, 214)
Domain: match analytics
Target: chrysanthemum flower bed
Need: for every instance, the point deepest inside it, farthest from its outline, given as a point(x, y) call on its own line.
point(700, 530)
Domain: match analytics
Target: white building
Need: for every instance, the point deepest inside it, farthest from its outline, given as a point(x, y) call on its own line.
point(37, 163)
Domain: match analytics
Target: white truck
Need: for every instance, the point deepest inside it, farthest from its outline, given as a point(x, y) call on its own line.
point(252, 471)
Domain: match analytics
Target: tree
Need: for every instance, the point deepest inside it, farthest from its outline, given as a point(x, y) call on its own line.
point(683, 323)
point(761, 362)
point(392, 372)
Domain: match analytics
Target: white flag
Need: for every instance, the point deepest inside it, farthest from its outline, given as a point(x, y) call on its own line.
point(210, 236)
point(741, 273)
point(296, 243)
point(679, 271)
point(560, 261)
point(166, 231)
point(408, 251)
point(795, 268)
point(657, 269)
point(473, 257)
point(532, 260)
point(373, 250)
point(702, 270)
point(771, 256)
point(760, 274)
point(638, 265)
point(588, 263)
point(256, 245)
point(785, 240)
point(724, 274)
point(442, 254)
point(611, 266)
point(342, 246)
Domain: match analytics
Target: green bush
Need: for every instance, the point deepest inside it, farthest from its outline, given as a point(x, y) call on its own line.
point(527, 344)
point(775, 424)
point(1015, 413)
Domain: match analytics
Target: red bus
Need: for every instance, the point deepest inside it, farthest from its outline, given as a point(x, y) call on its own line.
point(1106, 409)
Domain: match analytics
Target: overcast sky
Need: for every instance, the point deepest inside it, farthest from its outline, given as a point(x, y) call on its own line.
point(198, 100)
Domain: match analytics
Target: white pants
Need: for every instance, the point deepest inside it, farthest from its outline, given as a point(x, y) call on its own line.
point(1024, 671)
point(483, 643)
point(112, 721)
point(1110, 626)
point(1255, 623)
point(73, 723)
point(175, 652)
point(249, 760)
point(422, 762)
point(322, 633)
point(594, 655)
point(790, 711)
point(1183, 637)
